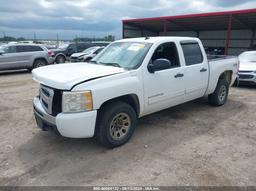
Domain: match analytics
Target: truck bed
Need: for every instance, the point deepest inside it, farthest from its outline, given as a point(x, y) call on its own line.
point(218, 57)
point(218, 63)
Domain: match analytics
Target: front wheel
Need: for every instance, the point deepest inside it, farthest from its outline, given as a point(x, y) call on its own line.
point(116, 124)
point(220, 95)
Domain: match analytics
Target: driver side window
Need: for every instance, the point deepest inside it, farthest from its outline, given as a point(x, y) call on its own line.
point(167, 51)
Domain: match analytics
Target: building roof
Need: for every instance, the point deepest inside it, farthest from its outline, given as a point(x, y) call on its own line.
point(157, 39)
point(241, 19)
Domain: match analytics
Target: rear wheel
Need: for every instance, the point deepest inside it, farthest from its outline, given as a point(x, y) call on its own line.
point(39, 63)
point(220, 95)
point(60, 59)
point(116, 124)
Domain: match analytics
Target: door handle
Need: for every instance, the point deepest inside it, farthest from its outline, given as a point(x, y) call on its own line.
point(203, 70)
point(179, 75)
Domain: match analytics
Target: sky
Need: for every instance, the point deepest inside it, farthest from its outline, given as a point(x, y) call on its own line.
point(95, 18)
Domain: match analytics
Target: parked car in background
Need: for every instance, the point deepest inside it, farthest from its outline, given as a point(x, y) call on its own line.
point(24, 56)
point(129, 79)
point(247, 69)
point(87, 54)
point(63, 54)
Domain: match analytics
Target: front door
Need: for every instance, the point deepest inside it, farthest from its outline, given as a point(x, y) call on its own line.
point(164, 88)
point(8, 60)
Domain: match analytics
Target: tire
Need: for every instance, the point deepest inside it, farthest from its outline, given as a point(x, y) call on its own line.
point(123, 119)
point(220, 95)
point(39, 63)
point(60, 59)
point(236, 83)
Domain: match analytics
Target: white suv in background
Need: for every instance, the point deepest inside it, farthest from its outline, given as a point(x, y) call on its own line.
point(24, 56)
point(247, 69)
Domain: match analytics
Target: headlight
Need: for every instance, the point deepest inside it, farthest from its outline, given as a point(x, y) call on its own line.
point(73, 102)
point(81, 58)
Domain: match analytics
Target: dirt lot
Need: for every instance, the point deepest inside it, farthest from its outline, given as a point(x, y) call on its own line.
point(192, 144)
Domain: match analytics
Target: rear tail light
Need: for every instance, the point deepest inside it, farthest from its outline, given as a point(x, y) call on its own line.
point(50, 53)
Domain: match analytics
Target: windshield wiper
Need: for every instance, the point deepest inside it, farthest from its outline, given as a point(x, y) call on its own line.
point(111, 64)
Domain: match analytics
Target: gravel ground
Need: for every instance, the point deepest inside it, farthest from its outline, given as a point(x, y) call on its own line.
point(191, 144)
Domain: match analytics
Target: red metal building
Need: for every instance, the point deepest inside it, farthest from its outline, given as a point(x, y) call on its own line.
point(231, 31)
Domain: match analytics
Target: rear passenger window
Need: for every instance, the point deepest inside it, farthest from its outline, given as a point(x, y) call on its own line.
point(192, 53)
point(28, 48)
point(21, 48)
point(35, 48)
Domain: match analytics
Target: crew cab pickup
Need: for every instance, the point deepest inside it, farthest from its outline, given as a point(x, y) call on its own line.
point(129, 79)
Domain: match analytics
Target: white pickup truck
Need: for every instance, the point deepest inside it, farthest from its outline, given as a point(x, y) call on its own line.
point(129, 79)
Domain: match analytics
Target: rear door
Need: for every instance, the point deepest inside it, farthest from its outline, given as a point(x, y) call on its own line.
point(196, 69)
point(32, 51)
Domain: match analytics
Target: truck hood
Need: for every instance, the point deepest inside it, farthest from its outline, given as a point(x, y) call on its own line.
point(65, 76)
point(247, 66)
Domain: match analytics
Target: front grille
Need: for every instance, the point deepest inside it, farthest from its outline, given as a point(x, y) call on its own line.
point(57, 102)
point(243, 76)
point(50, 99)
point(246, 71)
point(74, 59)
point(45, 104)
point(46, 98)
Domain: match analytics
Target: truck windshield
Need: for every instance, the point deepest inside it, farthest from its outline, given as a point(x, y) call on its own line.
point(128, 55)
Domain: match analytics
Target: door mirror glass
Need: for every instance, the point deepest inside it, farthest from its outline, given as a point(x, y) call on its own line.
point(1, 52)
point(158, 65)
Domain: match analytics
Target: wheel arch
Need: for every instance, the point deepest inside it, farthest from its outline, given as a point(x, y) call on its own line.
point(227, 75)
point(131, 99)
point(39, 58)
point(213, 81)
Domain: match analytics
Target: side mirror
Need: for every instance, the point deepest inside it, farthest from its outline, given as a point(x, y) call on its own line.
point(159, 64)
point(1, 52)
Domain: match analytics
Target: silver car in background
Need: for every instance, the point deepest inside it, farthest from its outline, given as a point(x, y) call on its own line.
point(247, 69)
point(87, 54)
point(24, 56)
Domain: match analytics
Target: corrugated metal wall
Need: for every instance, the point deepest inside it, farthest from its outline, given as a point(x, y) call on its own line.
point(241, 40)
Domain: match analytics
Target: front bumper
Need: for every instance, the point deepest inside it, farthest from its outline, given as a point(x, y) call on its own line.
point(247, 77)
point(51, 60)
point(73, 125)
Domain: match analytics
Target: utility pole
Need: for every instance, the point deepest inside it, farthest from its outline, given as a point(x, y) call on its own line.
point(58, 40)
point(34, 36)
point(4, 33)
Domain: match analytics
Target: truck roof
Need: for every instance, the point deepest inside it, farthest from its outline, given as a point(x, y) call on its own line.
point(157, 39)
